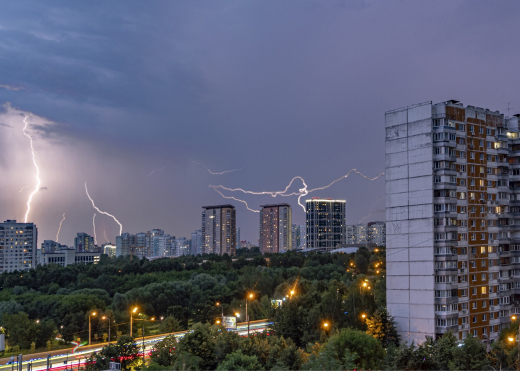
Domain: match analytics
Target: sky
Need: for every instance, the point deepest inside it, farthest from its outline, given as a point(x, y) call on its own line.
point(139, 99)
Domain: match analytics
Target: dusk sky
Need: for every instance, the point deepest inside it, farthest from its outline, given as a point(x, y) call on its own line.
point(277, 89)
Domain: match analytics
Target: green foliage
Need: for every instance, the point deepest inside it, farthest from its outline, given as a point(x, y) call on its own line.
point(170, 324)
point(164, 352)
point(125, 351)
point(382, 326)
point(470, 356)
point(239, 361)
point(369, 352)
point(20, 330)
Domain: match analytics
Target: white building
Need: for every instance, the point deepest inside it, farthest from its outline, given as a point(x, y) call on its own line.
point(377, 233)
point(69, 256)
point(18, 245)
point(109, 249)
point(357, 233)
point(182, 246)
point(162, 245)
point(196, 242)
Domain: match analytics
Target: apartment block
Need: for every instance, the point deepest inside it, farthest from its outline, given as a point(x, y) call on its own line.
point(357, 233)
point(453, 220)
point(325, 223)
point(18, 245)
point(219, 229)
point(275, 228)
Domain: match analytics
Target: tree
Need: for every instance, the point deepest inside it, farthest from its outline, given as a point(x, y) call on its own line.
point(170, 324)
point(239, 361)
point(370, 353)
point(164, 352)
point(200, 343)
point(470, 356)
point(125, 351)
point(327, 359)
point(20, 330)
point(382, 326)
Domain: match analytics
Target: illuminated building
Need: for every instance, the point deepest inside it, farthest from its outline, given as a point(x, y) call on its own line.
point(84, 243)
point(18, 245)
point(325, 223)
point(70, 256)
point(219, 229)
point(377, 233)
point(357, 233)
point(109, 249)
point(196, 242)
point(275, 228)
point(453, 206)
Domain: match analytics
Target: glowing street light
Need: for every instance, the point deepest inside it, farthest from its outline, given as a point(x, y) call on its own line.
point(105, 317)
point(90, 327)
point(247, 313)
point(131, 313)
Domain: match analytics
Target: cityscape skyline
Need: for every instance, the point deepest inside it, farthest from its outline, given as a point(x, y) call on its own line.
point(220, 82)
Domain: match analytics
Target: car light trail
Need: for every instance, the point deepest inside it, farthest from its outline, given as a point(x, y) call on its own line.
point(103, 212)
point(38, 182)
point(59, 228)
point(302, 192)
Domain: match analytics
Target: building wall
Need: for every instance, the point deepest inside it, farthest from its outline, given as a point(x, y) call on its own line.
point(325, 223)
point(409, 226)
point(18, 245)
point(219, 230)
point(275, 228)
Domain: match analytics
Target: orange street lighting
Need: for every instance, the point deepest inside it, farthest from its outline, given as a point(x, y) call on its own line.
point(511, 339)
point(326, 325)
point(218, 321)
point(377, 272)
point(364, 284)
point(363, 316)
point(250, 296)
point(133, 311)
point(37, 321)
point(153, 319)
point(237, 314)
point(513, 318)
point(292, 292)
point(217, 304)
point(90, 327)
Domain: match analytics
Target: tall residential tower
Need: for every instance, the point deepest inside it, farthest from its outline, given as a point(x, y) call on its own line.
point(18, 244)
point(219, 230)
point(275, 228)
point(452, 199)
point(325, 223)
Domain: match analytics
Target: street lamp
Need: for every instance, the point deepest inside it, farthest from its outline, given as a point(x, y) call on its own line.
point(105, 317)
point(89, 327)
point(514, 319)
point(133, 311)
point(221, 307)
point(250, 296)
point(237, 314)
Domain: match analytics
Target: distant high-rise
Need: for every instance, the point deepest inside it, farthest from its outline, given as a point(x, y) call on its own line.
point(303, 237)
point(238, 238)
point(275, 228)
point(125, 244)
point(18, 245)
point(219, 229)
point(325, 223)
point(357, 233)
point(298, 236)
point(181, 247)
point(377, 233)
point(83, 243)
point(196, 242)
point(49, 246)
point(163, 245)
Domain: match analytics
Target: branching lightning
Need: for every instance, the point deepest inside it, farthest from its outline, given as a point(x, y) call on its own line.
point(302, 192)
point(211, 172)
point(94, 226)
point(38, 182)
point(157, 170)
point(105, 234)
point(59, 228)
point(371, 209)
point(103, 212)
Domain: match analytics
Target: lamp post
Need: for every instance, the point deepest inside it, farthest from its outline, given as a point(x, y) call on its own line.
point(250, 296)
point(105, 317)
point(90, 327)
point(133, 311)
point(518, 341)
point(221, 307)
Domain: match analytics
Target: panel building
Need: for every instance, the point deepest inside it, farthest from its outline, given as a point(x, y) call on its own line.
point(196, 242)
point(325, 223)
point(377, 233)
point(219, 229)
point(84, 243)
point(452, 181)
point(275, 228)
point(18, 245)
point(357, 233)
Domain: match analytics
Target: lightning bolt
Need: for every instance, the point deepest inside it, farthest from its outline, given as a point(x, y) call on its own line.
point(157, 170)
point(94, 226)
point(211, 172)
point(102, 212)
point(105, 234)
point(38, 182)
point(21, 189)
point(302, 192)
point(59, 228)
point(371, 209)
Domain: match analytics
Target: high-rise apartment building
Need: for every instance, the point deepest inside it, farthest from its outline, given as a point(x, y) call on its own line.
point(219, 229)
point(18, 245)
point(84, 243)
point(49, 246)
point(125, 244)
point(196, 242)
point(452, 180)
point(376, 232)
point(295, 236)
point(275, 228)
point(325, 223)
point(357, 233)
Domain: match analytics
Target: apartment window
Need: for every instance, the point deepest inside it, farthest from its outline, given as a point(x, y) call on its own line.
point(464, 292)
point(472, 155)
point(471, 128)
point(473, 236)
point(436, 179)
point(462, 168)
point(473, 277)
point(472, 182)
point(481, 130)
point(475, 333)
point(472, 169)
point(488, 131)
point(482, 236)
point(462, 182)
point(474, 292)
point(474, 319)
point(473, 264)
point(483, 276)
point(484, 291)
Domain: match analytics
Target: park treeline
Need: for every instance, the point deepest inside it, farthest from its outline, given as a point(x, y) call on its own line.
point(49, 301)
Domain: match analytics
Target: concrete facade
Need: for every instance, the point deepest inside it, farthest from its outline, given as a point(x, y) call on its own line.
point(275, 228)
point(452, 210)
point(219, 230)
point(18, 246)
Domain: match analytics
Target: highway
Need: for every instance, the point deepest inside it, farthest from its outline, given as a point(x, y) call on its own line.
point(64, 359)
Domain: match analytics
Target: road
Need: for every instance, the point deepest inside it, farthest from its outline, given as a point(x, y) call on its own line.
point(64, 359)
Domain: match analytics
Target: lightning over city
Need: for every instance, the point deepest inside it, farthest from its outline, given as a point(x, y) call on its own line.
point(103, 212)
point(59, 228)
point(302, 192)
point(154, 171)
point(216, 173)
point(38, 182)
point(372, 209)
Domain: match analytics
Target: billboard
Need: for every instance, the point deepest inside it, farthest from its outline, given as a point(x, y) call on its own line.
point(276, 303)
point(230, 322)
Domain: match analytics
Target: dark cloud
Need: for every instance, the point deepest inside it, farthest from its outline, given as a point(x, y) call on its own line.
point(43, 189)
point(286, 88)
